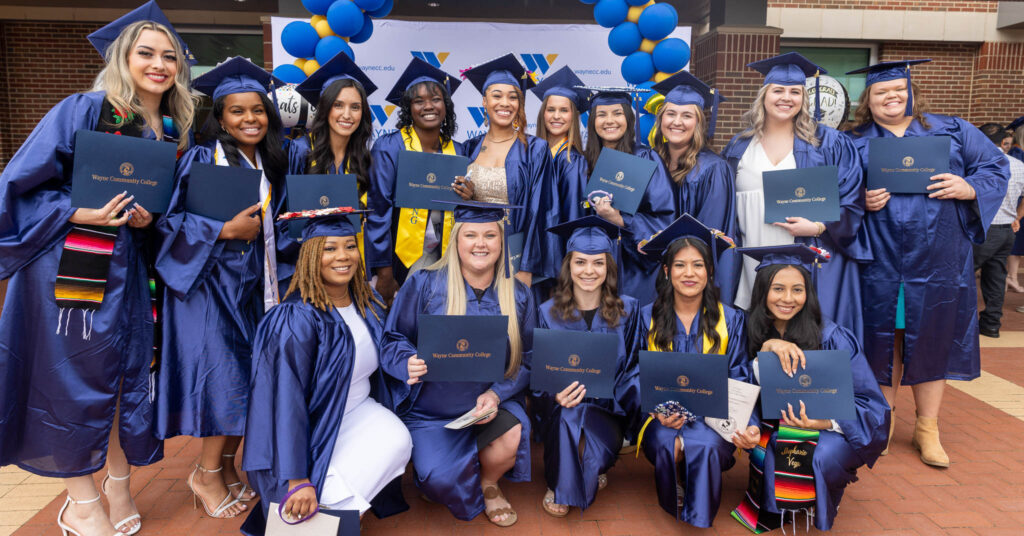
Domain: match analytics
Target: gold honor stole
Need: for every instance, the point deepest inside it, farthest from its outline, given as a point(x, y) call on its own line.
point(412, 222)
point(723, 335)
point(562, 145)
point(362, 202)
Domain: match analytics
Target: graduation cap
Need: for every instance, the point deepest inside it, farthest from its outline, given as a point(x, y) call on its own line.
point(105, 36)
point(891, 70)
point(788, 254)
point(417, 72)
point(683, 88)
point(236, 75)
point(503, 70)
point(1015, 124)
point(481, 212)
point(686, 226)
point(325, 222)
point(589, 235)
point(605, 95)
point(792, 69)
point(337, 68)
point(563, 83)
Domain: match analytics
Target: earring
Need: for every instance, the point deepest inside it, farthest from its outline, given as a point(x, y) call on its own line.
point(515, 124)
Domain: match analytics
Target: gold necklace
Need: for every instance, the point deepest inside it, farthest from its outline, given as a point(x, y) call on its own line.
point(492, 140)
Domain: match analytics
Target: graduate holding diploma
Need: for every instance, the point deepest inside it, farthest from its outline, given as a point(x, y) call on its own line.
point(687, 316)
point(802, 464)
point(220, 278)
point(315, 426)
point(76, 334)
point(920, 298)
point(582, 435)
point(461, 468)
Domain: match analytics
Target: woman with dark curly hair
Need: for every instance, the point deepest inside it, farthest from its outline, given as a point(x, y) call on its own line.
point(403, 240)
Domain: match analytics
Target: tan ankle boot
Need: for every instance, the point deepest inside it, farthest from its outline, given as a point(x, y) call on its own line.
point(892, 428)
point(926, 440)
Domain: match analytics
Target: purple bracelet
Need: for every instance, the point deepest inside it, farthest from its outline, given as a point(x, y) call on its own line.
point(280, 507)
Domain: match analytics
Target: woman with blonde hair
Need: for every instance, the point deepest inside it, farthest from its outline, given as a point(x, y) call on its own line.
point(461, 468)
point(783, 133)
point(80, 398)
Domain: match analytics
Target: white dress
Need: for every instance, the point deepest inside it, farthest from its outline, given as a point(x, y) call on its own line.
point(750, 212)
point(373, 445)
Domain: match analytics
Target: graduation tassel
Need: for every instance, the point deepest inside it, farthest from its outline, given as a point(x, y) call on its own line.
point(910, 94)
point(715, 101)
point(817, 95)
point(636, 119)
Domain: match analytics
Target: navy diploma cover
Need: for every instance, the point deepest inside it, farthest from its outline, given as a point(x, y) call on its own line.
point(561, 357)
point(624, 176)
point(107, 164)
point(468, 348)
point(221, 192)
point(825, 386)
point(700, 382)
point(811, 193)
point(905, 165)
point(422, 178)
point(317, 191)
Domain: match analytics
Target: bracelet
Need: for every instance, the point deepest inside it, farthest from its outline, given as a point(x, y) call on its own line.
point(821, 228)
point(280, 507)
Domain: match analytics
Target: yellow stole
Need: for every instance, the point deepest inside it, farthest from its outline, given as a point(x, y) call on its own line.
point(412, 222)
point(723, 335)
point(562, 145)
point(362, 203)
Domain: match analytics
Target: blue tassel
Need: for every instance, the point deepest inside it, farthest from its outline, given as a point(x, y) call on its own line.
point(714, 113)
point(910, 95)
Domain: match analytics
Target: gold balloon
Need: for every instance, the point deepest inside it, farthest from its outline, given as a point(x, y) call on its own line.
point(659, 76)
point(648, 46)
point(299, 62)
point(316, 19)
point(633, 14)
point(310, 67)
point(323, 29)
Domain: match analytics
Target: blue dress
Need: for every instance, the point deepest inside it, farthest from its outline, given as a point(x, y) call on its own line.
point(446, 463)
point(838, 280)
point(599, 423)
point(706, 455)
point(925, 245)
point(213, 299)
point(58, 391)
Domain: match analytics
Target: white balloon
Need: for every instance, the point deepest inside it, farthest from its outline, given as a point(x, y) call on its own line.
point(294, 110)
point(835, 102)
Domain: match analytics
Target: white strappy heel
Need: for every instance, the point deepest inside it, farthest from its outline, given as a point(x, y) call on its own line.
point(217, 512)
point(241, 495)
point(65, 529)
point(129, 519)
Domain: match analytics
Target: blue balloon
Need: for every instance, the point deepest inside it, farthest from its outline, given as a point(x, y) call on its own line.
point(609, 13)
point(635, 3)
point(644, 96)
point(624, 39)
point(671, 55)
point(383, 10)
point(345, 18)
point(645, 124)
point(329, 47)
point(637, 68)
point(299, 39)
point(369, 5)
point(365, 33)
point(289, 74)
point(657, 21)
point(317, 7)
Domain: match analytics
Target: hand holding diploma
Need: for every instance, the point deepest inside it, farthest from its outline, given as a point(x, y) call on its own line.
point(875, 200)
point(789, 419)
point(603, 207)
point(106, 215)
point(799, 226)
point(417, 367)
point(746, 439)
point(950, 186)
point(302, 503)
point(486, 403)
point(244, 226)
point(790, 355)
point(572, 395)
point(139, 217)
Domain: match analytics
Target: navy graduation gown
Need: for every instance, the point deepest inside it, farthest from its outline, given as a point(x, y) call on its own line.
point(838, 280)
point(1017, 153)
point(213, 299)
point(301, 370)
point(706, 455)
point(571, 174)
point(926, 245)
point(598, 423)
point(837, 456)
point(58, 391)
point(708, 193)
point(382, 222)
point(446, 463)
point(530, 181)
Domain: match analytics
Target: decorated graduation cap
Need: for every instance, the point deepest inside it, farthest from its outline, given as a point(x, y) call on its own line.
point(891, 70)
point(788, 254)
point(589, 235)
point(1015, 124)
point(686, 226)
point(605, 95)
point(105, 36)
point(417, 72)
point(337, 68)
point(563, 83)
point(683, 88)
point(502, 70)
point(480, 212)
point(792, 69)
point(325, 222)
point(236, 75)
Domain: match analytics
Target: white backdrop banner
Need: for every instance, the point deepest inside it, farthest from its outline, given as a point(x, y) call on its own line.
point(451, 46)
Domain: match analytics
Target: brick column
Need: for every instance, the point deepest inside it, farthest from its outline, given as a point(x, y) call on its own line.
point(998, 91)
point(720, 58)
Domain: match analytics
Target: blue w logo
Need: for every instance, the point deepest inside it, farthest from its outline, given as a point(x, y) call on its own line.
point(538, 62)
point(381, 113)
point(479, 114)
point(435, 59)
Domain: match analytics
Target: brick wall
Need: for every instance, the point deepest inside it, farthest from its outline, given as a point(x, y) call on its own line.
point(946, 81)
point(977, 6)
point(998, 92)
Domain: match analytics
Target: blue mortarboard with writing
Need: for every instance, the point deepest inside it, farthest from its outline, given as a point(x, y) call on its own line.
point(417, 72)
point(503, 70)
point(325, 222)
point(683, 88)
point(235, 75)
point(590, 235)
point(891, 70)
point(686, 226)
point(481, 212)
point(790, 254)
point(791, 69)
point(105, 36)
point(1015, 124)
point(563, 83)
point(337, 68)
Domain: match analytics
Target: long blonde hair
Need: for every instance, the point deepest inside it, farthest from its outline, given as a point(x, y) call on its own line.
point(804, 125)
point(116, 79)
point(574, 136)
point(688, 160)
point(505, 287)
point(308, 282)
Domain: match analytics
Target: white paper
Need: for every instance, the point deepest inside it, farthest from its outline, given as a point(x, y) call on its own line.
point(318, 525)
point(468, 419)
point(742, 399)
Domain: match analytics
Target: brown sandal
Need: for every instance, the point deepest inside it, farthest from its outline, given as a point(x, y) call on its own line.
point(602, 481)
point(549, 505)
point(492, 492)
